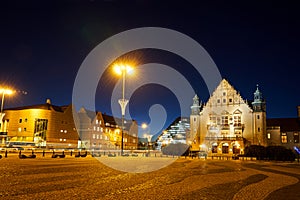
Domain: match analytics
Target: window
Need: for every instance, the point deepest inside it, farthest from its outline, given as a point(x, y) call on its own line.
point(100, 137)
point(225, 120)
point(61, 131)
point(94, 136)
point(224, 100)
point(194, 119)
point(98, 128)
point(97, 137)
point(219, 101)
point(65, 131)
point(97, 121)
point(101, 129)
point(64, 140)
point(19, 129)
point(230, 100)
point(258, 129)
point(237, 120)
point(60, 139)
point(20, 120)
point(257, 116)
point(269, 136)
point(25, 119)
point(224, 93)
point(283, 138)
point(25, 129)
point(94, 128)
point(296, 137)
point(133, 140)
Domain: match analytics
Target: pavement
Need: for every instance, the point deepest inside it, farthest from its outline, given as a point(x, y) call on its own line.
point(87, 178)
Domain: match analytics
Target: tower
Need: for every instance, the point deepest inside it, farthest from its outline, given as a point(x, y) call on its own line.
point(259, 119)
point(193, 137)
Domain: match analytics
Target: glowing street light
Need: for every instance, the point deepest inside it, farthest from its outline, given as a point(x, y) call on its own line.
point(123, 69)
point(4, 91)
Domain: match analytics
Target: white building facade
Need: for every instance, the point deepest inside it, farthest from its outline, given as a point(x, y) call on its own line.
point(227, 123)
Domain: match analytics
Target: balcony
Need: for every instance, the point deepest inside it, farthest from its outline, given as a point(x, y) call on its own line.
point(225, 127)
point(224, 138)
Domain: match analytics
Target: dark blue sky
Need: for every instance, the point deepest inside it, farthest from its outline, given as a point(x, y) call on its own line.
point(43, 43)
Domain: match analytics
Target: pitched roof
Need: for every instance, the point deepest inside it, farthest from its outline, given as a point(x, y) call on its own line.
point(286, 124)
point(45, 106)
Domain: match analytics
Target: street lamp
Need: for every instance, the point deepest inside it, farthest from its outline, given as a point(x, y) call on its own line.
point(121, 69)
point(4, 91)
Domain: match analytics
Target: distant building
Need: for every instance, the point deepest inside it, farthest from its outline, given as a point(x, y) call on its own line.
point(53, 127)
point(175, 133)
point(284, 132)
point(102, 132)
point(47, 125)
point(227, 122)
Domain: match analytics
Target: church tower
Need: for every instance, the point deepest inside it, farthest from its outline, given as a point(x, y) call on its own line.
point(259, 119)
point(193, 138)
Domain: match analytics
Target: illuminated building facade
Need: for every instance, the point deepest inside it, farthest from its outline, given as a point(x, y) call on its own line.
point(53, 126)
point(47, 125)
point(175, 133)
point(99, 131)
point(227, 122)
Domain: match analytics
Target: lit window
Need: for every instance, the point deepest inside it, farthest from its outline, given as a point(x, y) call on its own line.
point(100, 122)
point(61, 131)
point(65, 140)
point(101, 129)
point(98, 128)
point(96, 121)
point(60, 139)
point(296, 137)
point(94, 128)
point(65, 131)
point(24, 129)
point(133, 140)
point(20, 120)
point(97, 137)
point(94, 136)
point(283, 138)
point(19, 129)
point(100, 137)
point(269, 136)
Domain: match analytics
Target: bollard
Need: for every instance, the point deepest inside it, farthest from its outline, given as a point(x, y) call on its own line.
point(6, 154)
point(20, 153)
point(43, 153)
point(32, 152)
point(71, 153)
point(53, 152)
point(63, 153)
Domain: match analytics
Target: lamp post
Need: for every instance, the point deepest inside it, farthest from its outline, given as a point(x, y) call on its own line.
point(4, 92)
point(122, 70)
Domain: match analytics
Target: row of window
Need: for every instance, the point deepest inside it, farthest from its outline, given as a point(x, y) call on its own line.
point(20, 120)
point(284, 137)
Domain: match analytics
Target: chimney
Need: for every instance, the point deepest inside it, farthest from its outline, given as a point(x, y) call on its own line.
point(48, 101)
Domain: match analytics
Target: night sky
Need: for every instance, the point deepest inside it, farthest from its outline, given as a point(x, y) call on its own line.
point(43, 43)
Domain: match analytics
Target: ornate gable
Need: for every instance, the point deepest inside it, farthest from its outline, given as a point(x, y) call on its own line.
point(225, 94)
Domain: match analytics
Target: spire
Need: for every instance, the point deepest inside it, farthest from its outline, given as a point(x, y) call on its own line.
point(195, 108)
point(258, 103)
point(257, 95)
